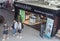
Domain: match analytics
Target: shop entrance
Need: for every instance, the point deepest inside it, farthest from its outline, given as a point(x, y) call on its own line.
point(40, 22)
point(41, 16)
point(32, 19)
point(36, 21)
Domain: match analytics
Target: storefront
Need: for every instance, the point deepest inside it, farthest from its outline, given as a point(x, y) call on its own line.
point(32, 14)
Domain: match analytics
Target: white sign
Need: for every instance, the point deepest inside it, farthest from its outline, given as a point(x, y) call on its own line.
point(49, 27)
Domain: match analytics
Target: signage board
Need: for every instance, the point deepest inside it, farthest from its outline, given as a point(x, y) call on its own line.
point(49, 27)
point(22, 14)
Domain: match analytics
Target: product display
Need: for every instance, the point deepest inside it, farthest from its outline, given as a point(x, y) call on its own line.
point(32, 19)
point(22, 13)
point(27, 14)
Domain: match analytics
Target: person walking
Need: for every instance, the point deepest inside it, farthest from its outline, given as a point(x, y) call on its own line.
point(42, 26)
point(14, 27)
point(19, 30)
point(5, 32)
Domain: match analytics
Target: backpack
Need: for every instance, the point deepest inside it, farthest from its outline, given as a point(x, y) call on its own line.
point(13, 26)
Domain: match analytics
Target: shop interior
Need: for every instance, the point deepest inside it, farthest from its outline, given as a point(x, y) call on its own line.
point(39, 22)
point(34, 20)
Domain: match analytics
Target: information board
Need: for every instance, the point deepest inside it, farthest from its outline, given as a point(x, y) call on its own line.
point(49, 27)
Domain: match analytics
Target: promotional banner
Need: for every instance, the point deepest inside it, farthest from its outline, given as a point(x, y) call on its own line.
point(22, 13)
point(49, 27)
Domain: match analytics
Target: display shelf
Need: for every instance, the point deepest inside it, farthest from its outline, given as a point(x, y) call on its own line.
point(27, 17)
point(28, 23)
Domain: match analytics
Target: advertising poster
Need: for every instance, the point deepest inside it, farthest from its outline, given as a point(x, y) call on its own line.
point(49, 27)
point(22, 13)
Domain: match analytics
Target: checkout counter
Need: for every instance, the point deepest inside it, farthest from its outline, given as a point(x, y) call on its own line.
point(52, 14)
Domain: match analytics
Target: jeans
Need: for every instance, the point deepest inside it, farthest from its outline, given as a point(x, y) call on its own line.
point(14, 31)
point(42, 30)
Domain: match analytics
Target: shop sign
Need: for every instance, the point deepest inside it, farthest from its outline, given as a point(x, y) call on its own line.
point(36, 9)
point(48, 14)
point(49, 27)
point(23, 6)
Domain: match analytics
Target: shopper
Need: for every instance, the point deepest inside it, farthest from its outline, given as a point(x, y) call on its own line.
point(19, 29)
point(5, 32)
point(42, 26)
point(42, 30)
point(20, 20)
point(14, 27)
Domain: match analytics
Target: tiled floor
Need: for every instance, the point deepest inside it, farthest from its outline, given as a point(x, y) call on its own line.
point(28, 33)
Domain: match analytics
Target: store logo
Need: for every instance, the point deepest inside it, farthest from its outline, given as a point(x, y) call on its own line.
point(23, 6)
point(43, 12)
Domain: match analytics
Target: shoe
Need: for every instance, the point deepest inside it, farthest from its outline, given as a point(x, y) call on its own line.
point(17, 37)
point(3, 39)
point(41, 36)
point(20, 37)
point(7, 38)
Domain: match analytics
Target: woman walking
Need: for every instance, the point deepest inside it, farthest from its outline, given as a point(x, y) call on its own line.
point(5, 31)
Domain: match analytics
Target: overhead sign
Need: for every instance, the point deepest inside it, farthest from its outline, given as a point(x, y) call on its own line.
point(36, 9)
